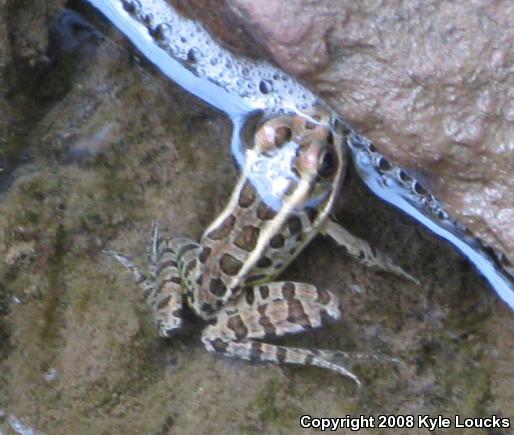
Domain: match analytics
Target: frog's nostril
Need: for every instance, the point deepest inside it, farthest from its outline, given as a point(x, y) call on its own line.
point(330, 138)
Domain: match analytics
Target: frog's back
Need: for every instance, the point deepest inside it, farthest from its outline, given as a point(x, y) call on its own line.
point(253, 242)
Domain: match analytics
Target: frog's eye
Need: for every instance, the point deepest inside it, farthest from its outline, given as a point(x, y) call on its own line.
point(282, 136)
point(273, 134)
point(327, 164)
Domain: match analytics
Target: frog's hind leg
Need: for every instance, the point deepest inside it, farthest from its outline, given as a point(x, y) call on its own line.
point(273, 310)
point(363, 251)
point(162, 288)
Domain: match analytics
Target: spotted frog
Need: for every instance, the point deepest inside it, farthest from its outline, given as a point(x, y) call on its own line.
point(288, 185)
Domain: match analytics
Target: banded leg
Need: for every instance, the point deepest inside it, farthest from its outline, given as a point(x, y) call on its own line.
point(167, 299)
point(274, 310)
point(162, 289)
point(363, 251)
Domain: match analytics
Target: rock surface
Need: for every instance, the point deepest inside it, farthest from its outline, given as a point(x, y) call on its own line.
point(430, 83)
point(114, 146)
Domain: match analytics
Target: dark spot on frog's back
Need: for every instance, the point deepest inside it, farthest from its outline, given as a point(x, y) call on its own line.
point(296, 314)
point(217, 287)
point(199, 279)
point(264, 291)
point(224, 229)
point(204, 255)
point(264, 212)
point(207, 308)
point(277, 241)
point(264, 262)
point(247, 195)
point(237, 325)
point(247, 238)
point(312, 214)
point(294, 224)
point(249, 296)
point(266, 323)
point(288, 290)
point(230, 265)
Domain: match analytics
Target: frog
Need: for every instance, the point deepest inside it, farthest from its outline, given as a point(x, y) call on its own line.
point(290, 180)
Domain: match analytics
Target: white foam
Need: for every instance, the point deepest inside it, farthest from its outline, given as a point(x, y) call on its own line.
point(259, 83)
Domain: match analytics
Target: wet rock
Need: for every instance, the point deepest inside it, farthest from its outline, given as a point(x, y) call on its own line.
point(5, 110)
point(430, 83)
point(121, 146)
point(69, 31)
point(23, 57)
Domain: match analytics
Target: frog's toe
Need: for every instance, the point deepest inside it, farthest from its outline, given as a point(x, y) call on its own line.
point(138, 276)
point(391, 266)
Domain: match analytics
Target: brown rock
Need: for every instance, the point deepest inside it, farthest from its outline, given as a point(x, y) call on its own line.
point(430, 83)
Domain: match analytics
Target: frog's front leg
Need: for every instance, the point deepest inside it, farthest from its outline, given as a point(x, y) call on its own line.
point(363, 251)
point(274, 310)
point(163, 287)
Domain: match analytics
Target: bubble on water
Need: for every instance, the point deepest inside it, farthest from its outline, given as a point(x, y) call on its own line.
point(193, 55)
point(162, 32)
point(442, 214)
point(418, 188)
point(402, 176)
point(148, 19)
point(383, 164)
point(131, 6)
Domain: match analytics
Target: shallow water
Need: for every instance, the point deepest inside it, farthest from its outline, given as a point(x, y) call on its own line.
point(122, 146)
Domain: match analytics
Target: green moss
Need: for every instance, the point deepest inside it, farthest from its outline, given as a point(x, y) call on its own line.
point(272, 406)
point(52, 300)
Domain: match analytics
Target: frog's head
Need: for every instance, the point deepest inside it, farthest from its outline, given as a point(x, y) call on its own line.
point(299, 160)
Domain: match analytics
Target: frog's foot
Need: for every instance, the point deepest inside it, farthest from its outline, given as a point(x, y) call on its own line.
point(162, 289)
point(274, 310)
point(363, 251)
